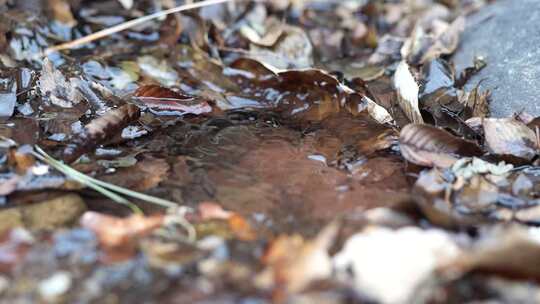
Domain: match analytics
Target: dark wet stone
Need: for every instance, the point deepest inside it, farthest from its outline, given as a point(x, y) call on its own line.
point(506, 34)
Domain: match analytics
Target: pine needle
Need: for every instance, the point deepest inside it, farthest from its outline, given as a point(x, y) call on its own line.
point(95, 183)
point(129, 24)
point(111, 191)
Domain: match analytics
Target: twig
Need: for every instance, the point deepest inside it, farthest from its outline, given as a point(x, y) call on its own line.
point(129, 24)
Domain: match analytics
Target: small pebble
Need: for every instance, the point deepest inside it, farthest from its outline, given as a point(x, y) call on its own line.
point(55, 286)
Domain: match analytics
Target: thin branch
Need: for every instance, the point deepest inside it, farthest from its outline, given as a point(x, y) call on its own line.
point(129, 24)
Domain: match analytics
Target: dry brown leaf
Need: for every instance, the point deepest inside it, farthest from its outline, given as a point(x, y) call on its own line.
point(209, 211)
point(507, 136)
point(61, 11)
point(407, 91)
point(511, 252)
point(479, 102)
point(292, 50)
point(448, 41)
point(389, 265)
point(431, 39)
point(534, 124)
point(239, 226)
point(433, 147)
point(117, 232)
point(56, 89)
point(274, 30)
point(21, 159)
point(293, 262)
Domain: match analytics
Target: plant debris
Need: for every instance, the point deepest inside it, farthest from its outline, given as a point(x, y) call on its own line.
point(266, 151)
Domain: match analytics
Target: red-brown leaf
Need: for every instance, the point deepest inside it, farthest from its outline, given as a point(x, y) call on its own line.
point(162, 99)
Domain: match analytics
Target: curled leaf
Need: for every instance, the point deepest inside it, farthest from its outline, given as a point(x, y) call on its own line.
point(101, 129)
point(161, 100)
point(56, 89)
point(433, 147)
point(407, 90)
point(432, 38)
point(292, 50)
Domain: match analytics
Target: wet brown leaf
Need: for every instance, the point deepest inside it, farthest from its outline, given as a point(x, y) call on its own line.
point(432, 147)
point(144, 175)
point(478, 193)
point(101, 129)
point(162, 100)
point(507, 136)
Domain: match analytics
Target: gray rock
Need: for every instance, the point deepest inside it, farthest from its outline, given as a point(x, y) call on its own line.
point(507, 35)
point(7, 104)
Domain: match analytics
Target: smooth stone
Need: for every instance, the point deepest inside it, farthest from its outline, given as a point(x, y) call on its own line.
point(7, 104)
point(54, 213)
point(506, 34)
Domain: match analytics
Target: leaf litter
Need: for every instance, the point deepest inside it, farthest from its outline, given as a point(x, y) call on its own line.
point(269, 152)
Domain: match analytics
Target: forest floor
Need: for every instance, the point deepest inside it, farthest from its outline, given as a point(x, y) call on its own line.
point(279, 151)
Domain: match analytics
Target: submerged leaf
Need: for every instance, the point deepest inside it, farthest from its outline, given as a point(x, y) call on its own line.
point(432, 147)
point(143, 176)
